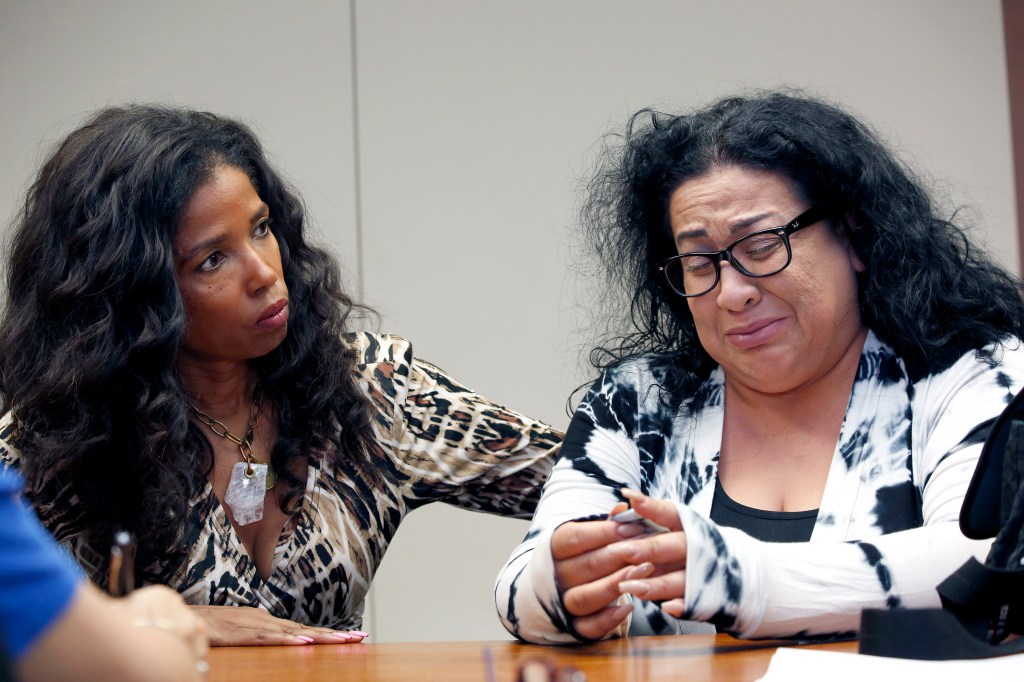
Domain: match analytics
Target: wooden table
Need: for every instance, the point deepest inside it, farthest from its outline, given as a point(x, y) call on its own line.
point(695, 658)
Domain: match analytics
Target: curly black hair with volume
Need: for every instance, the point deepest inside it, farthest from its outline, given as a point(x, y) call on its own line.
point(926, 290)
point(93, 326)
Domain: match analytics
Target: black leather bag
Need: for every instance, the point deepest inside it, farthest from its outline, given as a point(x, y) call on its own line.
point(982, 612)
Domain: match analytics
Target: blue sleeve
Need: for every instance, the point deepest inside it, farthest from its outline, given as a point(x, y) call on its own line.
point(37, 580)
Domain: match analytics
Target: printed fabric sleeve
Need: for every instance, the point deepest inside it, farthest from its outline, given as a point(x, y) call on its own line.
point(57, 509)
point(10, 456)
point(37, 581)
point(527, 597)
point(750, 588)
point(450, 443)
point(755, 589)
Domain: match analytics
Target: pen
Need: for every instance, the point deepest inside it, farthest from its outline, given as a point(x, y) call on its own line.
point(629, 515)
point(121, 579)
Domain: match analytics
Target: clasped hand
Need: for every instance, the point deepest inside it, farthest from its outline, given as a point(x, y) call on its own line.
point(598, 561)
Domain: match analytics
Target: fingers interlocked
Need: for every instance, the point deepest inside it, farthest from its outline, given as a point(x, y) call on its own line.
point(598, 562)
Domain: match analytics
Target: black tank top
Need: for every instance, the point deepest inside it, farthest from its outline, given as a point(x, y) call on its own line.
point(764, 525)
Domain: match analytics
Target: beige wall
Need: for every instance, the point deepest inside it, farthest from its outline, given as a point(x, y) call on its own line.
point(438, 145)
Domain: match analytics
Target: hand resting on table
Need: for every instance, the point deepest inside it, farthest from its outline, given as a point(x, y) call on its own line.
point(248, 626)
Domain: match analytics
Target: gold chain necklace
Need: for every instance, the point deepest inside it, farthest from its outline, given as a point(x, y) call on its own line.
point(244, 443)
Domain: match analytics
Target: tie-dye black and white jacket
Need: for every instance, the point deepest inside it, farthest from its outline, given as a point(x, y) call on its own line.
point(886, 532)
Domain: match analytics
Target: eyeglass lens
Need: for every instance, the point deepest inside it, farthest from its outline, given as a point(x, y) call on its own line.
point(758, 254)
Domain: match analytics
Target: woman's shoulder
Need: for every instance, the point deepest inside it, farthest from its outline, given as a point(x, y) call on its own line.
point(972, 390)
point(1003, 361)
point(383, 365)
point(373, 348)
point(655, 383)
point(640, 372)
point(389, 357)
point(636, 367)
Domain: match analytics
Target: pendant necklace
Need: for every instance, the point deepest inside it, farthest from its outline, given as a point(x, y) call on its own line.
point(250, 480)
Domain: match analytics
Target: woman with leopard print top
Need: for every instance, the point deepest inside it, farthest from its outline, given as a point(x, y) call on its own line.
point(174, 361)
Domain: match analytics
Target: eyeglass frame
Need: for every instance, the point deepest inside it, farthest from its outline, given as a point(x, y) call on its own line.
point(813, 215)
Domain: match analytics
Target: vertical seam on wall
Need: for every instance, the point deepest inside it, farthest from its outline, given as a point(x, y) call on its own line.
point(1013, 14)
point(358, 194)
point(356, 160)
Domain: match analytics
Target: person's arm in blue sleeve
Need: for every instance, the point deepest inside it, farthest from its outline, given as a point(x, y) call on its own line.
point(55, 625)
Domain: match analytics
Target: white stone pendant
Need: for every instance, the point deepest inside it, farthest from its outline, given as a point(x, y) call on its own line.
point(245, 493)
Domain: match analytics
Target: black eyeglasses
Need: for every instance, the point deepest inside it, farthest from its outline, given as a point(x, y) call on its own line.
point(758, 254)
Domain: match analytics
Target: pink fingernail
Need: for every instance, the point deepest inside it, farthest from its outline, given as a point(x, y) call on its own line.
point(622, 610)
point(642, 571)
point(342, 635)
point(359, 633)
point(629, 530)
point(307, 640)
point(636, 587)
point(623, 549)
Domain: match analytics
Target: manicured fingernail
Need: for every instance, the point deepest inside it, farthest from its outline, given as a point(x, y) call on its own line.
point(359, 633)
point(637, 587)
point(644, 570)
point(343, 635)
point(307, 640)
point(629, 530)
point(623, 549)
point(622, 610)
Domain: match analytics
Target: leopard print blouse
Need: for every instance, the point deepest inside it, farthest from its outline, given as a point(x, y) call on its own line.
point(434, 441)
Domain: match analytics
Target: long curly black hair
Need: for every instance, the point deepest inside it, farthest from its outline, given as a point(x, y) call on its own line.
point(94, 323)
point(926, 291)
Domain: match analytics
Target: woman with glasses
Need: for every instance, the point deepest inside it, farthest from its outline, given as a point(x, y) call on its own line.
point(787, 434)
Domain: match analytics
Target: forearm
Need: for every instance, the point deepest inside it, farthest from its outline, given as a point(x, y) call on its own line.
point(526, 592)
point(98, 638)
point(820, 589)
point(756, 589)
point(529, 600)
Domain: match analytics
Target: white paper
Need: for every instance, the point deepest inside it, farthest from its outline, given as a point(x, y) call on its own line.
point(810, 665)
